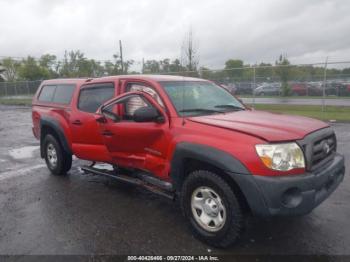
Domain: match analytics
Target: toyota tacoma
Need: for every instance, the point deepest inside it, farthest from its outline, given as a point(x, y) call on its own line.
point(190, 140)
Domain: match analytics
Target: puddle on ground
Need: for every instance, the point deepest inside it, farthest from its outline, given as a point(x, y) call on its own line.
point(23, 152)
point(20, 172)
point(104, 166)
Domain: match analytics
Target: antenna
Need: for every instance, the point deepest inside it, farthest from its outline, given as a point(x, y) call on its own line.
point(183, 101)
point(121, 55)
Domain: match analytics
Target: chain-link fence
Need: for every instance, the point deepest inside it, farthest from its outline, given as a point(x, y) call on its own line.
point(324, 85)
point(18, 88)
point(328, 80)
point(316, 90)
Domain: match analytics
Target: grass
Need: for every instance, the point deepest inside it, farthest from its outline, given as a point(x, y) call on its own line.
point(16, 101)
point(337, 113)
point(296, 97)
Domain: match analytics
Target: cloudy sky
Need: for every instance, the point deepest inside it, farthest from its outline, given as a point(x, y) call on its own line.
point(252, 30)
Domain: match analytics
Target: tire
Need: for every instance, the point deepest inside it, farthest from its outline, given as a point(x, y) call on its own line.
point(57, 160)
point(231, 217)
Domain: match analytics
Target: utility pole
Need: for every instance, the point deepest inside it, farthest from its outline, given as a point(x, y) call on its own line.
point(324, 86)
point(254, 85)
point(121, 55)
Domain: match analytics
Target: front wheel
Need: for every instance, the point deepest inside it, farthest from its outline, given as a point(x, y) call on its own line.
point(57, 160)
point(212, 209)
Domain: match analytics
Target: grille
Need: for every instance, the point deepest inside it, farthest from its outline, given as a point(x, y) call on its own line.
point(319, 148)
point(323, 148)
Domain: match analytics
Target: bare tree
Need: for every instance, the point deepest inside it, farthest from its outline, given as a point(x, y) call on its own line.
point(189, 54)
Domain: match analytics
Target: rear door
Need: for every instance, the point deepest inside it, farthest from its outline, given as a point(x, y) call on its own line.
point(134, 144)
point(86, 138)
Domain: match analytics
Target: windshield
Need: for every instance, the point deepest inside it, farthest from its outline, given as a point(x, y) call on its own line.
point(192, 98)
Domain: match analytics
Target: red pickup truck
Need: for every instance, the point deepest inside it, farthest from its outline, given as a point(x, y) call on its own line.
point(189, 139)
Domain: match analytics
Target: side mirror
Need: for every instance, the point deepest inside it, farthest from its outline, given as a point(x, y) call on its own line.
point(100, 119)
point(147, 114)
point(114, 117)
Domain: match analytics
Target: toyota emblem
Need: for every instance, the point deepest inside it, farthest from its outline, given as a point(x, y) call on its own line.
point(326, 148)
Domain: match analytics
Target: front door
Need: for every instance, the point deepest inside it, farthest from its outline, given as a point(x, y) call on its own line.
point(140, 145)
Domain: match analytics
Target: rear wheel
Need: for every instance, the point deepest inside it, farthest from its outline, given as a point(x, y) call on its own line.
point(57, 160)
point(212, 209)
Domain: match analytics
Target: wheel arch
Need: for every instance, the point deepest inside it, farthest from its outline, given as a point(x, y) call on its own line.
point(51, 126)
point(189, 157)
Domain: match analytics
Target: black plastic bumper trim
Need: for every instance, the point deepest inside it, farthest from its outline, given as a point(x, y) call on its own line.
point(265, 195)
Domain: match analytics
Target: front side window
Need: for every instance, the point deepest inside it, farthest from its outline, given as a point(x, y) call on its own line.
point(137, 102)
point(93, 96)
point(192, 98)
point(127, 106)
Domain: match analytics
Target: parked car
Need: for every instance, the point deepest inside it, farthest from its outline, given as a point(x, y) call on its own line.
point(305, 89)
point(337, 88)
point(313, 89)
point(189, 140)
point(298, 89)
point(244, 88)
point(268, 89)
point(344, 89)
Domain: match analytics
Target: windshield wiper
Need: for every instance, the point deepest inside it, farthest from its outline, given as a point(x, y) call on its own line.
point(201, 110)
point(230, 106)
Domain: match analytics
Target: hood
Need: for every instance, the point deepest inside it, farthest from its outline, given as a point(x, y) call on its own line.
point(268, 126)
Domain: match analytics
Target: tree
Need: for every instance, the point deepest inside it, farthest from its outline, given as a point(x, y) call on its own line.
point(283, 71)
point(75, 64)
point(175, 66)
point(70, 64)
point(10, 69)
point(346, 71)
point(50, 63)
point(264, 71)
point(237, 68)
point(162, 66)
point(151, 67)
point(117, 66)
point(30, 69)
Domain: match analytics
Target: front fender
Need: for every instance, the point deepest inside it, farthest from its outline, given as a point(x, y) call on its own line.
point(204, 153)
point(231, 166)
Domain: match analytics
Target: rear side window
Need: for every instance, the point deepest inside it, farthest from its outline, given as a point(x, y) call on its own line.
point(47, 93)
point(61, 94)
point(93, 96)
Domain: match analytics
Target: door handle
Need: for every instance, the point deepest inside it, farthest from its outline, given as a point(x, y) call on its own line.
point(77, 122)
point(107, 133)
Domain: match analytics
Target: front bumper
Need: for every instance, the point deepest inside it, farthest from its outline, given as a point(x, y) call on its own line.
point(291, 195)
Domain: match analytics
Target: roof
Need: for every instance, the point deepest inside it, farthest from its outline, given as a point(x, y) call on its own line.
point(157, 78)
point(65, 80)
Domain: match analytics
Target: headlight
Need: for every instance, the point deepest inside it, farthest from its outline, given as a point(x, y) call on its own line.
point(281, 157)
